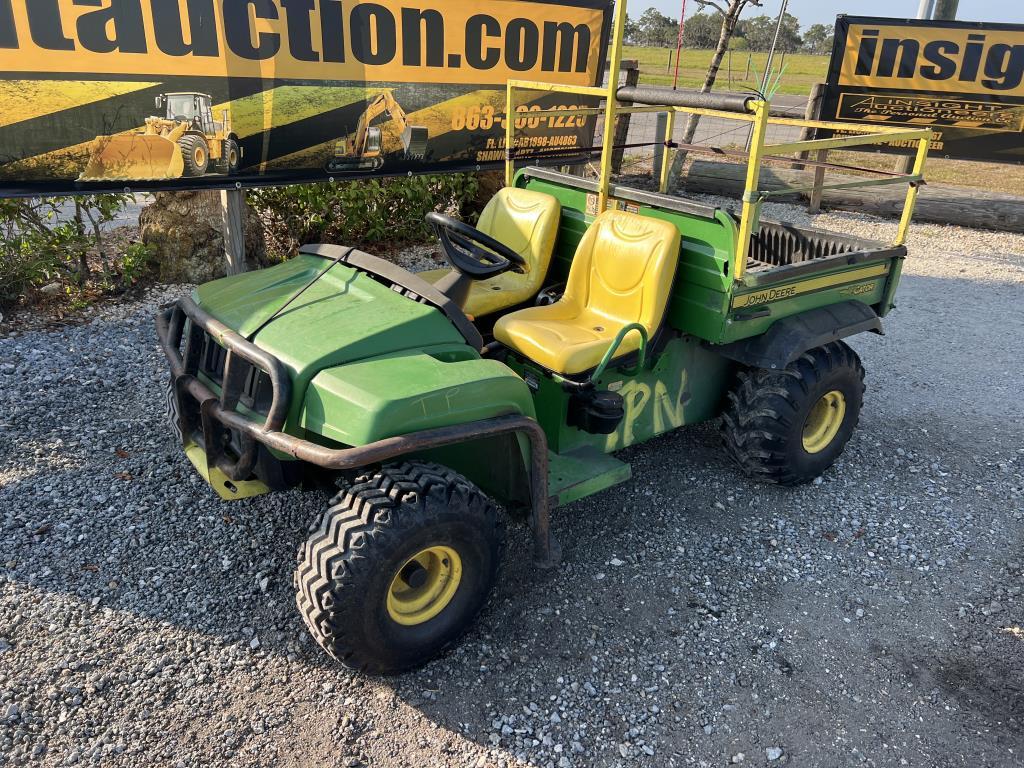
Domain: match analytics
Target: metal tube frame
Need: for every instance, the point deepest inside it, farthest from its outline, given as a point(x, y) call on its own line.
point(759, 116)
point(614, 347)
point(666, 152)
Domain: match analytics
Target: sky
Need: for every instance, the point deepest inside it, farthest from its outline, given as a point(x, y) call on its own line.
point(825, 11)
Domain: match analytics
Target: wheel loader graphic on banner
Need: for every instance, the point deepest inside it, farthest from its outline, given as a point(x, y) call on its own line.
point(185, 142)
point(362, 151)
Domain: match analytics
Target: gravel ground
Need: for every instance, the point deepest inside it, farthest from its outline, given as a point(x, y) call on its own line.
point(699, 619)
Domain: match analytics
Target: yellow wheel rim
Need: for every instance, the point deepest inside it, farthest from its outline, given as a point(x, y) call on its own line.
point(424, 585)
point(200, 156)
point(823, 422)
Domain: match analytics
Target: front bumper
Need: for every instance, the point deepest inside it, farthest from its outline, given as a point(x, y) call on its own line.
point(233, 455)
point(217, 417)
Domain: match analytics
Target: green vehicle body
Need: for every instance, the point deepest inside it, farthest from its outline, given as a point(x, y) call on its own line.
point(367, 363)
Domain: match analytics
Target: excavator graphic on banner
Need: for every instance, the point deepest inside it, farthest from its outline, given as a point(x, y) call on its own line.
point(362, 151)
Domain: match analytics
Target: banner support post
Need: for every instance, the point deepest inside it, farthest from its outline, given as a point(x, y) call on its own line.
point(232, 205)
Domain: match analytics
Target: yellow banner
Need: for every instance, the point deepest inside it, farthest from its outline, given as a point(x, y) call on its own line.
point(965, 60)
point(432, 41)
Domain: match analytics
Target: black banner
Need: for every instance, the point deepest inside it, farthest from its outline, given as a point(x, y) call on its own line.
point(184, 94)
point(963, 79)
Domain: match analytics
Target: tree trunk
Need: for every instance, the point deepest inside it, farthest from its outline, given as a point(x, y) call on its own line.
point(725, 36)
point(185, 228)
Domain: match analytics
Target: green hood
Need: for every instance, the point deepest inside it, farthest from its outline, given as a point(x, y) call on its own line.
point(345, 316)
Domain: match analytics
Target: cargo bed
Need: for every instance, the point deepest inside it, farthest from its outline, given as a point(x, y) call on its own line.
point(791, 269)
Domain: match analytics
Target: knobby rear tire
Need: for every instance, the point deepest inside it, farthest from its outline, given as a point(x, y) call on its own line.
point(763, 423)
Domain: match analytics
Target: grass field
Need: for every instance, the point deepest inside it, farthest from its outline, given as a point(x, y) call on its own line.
point(802, 70)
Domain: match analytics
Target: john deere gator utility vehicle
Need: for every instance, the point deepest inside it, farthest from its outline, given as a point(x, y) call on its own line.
point(577, 318)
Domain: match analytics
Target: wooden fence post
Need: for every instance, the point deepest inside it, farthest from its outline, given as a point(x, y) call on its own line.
point(232, 203)
point(631, 68)
point(819, 179)
point(812, 112)
point(660, 131)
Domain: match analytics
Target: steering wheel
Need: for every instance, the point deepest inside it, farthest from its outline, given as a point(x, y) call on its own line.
point(474, 253)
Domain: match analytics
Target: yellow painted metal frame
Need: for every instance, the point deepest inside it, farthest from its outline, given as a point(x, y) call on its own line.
point(759, 118)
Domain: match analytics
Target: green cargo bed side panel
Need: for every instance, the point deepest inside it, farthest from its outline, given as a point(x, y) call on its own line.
point(755, 311)
point(405, 392)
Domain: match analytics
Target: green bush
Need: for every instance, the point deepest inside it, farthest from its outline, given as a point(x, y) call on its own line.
point(136, 262)
point(50, 240)
point(364, 212)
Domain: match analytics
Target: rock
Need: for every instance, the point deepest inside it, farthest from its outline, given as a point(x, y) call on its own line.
point(773, 753)
point(739, 757)
point(51, 289)
point(185, 230)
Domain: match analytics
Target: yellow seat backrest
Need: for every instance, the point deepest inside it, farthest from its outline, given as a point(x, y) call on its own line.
point(527, 222)
point(621, 274)
point(623, 268)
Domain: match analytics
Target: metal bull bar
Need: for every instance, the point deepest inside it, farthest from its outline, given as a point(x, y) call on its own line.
point(218, 411)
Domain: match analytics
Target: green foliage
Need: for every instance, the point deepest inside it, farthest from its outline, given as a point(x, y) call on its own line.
point(363, 212)
point(50, 240)
point(760, 31)
point(136, 261)
point(654, 28)
point(702, 30)
point(818, 39)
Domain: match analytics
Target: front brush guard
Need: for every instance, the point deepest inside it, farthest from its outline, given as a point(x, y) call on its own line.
point(218, 414)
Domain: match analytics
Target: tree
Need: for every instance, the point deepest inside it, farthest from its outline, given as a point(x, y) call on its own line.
point(760, 31)
point(632, 32)
point(818, 39)
point(657, 29)
point(730, 13)
point(701, 31)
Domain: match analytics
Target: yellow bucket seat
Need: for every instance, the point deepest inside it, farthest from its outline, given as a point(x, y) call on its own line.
point(622, 273)
point(527, 222)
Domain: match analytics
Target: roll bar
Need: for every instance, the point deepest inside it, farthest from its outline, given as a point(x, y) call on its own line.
point(731, 106)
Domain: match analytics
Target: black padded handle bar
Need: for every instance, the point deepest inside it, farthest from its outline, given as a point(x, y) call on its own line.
point(650, 94)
